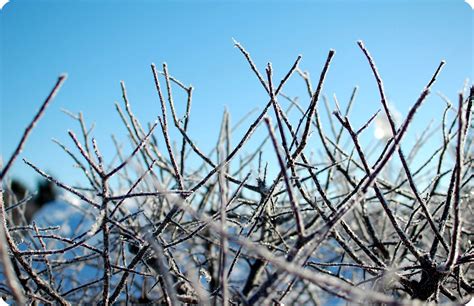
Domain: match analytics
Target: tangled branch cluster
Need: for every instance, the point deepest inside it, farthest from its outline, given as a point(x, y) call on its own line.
point(325, 229)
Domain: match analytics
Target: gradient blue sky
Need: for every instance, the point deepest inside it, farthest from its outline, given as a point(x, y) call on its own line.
point(99, 43)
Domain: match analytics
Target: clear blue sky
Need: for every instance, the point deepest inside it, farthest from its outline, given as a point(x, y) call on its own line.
point(99, 43)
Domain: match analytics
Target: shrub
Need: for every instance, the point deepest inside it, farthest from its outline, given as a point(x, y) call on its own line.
point(152, 227)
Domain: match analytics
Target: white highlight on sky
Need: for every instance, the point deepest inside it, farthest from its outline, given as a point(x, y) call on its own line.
point(2, 4)
point(471, 3)
point(382, 125)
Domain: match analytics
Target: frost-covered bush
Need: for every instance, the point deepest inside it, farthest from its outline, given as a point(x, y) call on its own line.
point(279, 222)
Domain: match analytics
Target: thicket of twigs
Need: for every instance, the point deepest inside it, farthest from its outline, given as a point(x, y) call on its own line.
point(323, 228)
